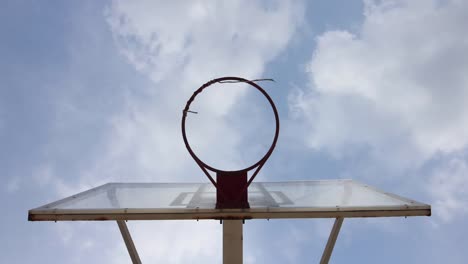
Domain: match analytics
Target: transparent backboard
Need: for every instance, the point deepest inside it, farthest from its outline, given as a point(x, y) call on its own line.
point(298, 199)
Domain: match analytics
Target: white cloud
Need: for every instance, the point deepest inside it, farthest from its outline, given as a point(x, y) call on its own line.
point(199, 40)
point(45, 177)
point(401, 76)
point(448, 186)
point(179, 46)
point(394, 92)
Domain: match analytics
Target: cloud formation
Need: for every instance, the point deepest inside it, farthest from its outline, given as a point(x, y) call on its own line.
point(396, 89)
point(179, 46)
point(200, 40)
point(448, 185)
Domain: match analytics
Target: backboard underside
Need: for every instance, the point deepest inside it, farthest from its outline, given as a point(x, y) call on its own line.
point(268, 200)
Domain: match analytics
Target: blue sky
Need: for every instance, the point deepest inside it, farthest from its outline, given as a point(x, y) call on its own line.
point(92, 92)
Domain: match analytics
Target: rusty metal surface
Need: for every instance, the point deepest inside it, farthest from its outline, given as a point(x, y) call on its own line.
point(230, 184)
point(239, 214)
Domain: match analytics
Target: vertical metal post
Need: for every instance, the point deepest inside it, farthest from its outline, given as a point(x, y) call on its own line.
point(232, 242)
point(331, 240)
point(129, 242)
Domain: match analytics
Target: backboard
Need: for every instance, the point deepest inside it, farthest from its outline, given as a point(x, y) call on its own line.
point(232, 198)
point(268, 200)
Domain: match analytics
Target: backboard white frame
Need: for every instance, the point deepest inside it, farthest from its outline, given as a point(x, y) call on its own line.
point(50, 213)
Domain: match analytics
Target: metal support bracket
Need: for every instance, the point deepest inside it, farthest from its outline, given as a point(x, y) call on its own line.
point(232, 241)
point(331, 240)
point(129, 242)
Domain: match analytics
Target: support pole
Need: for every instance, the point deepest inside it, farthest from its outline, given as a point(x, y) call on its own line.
point(232, 242)
point(129, 242)
point(331, 240)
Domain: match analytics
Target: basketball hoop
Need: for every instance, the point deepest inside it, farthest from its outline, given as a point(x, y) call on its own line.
point(231, 186)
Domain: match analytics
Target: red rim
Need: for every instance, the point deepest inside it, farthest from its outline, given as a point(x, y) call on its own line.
point(222, 79)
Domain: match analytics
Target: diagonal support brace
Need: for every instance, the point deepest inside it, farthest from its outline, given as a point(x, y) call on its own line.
point(129, 242)
point(331, 240)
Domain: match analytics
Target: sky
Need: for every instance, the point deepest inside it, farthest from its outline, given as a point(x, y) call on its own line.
point(93, 92)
